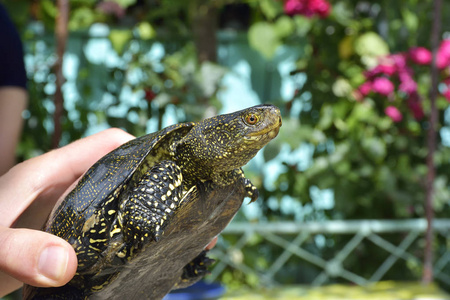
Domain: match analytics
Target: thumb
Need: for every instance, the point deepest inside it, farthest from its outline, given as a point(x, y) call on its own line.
point(36, 258)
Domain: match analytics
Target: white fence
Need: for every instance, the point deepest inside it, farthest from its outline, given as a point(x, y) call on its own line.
point(291, 238)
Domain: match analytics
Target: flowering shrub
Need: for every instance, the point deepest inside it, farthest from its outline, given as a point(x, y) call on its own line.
point(443, 55)
point(393, 113)
point(398, 68)
point(420, 55)
point(308, 8)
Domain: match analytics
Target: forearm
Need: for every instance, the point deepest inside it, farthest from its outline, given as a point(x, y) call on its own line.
point(13, 100)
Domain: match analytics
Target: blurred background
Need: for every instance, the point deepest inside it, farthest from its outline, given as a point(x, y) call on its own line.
point(360, 166)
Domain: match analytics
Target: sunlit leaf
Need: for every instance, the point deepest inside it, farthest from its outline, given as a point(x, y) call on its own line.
point(81, 18)
point(284, 26)
point(271, 8)
point(370, 46)
point(124, 3)
point(263, 37)
point(410, 18)
point(146, 31)
point(119, 39)
point(345, 47)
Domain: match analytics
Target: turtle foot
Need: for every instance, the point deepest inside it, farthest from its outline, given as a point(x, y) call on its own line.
point(252, 191)
point(195, 270)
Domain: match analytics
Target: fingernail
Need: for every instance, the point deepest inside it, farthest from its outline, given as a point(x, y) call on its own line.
point(53, 262)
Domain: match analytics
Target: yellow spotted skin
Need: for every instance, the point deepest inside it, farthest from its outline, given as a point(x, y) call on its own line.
point(124, 201)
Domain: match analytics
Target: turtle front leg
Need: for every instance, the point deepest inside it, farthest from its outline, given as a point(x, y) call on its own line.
point(150, 202)
point(225, 179)
point(252, 191)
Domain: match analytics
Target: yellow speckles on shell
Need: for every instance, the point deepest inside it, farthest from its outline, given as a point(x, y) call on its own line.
point(116, 230)
point(93, 248)
point(129, 196)
point(97, 241)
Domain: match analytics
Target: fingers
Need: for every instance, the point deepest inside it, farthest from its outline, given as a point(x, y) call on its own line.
point(211, 244)
point(47, 176)
point(36, 258)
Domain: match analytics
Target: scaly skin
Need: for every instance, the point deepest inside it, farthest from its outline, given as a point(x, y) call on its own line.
point(125, 200)
point(217, 147)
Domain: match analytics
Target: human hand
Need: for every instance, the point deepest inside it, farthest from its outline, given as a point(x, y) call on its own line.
point(28, 192)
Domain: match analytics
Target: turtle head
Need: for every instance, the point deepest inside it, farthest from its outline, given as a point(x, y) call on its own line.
point(227, 142)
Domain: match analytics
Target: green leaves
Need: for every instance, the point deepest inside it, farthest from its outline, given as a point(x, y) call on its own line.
point(124, 3)
point(266, 37)
point(271, 8)
point(370, 46)
point(263, 37)
point(146, 31)
point(119, 39)
point(284, 26)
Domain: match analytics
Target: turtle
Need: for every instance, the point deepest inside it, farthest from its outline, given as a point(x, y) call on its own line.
point(140, 217)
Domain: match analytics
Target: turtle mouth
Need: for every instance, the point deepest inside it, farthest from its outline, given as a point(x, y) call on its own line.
point(270, 131)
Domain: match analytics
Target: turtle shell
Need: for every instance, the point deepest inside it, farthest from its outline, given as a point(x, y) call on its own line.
point(118, 261)
point(108, 176)
point(160, 265)
point(158, 268)
point(72, 215)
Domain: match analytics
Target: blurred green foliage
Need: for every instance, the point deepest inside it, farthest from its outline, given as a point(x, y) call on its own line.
point(375, 168)
point(387, 290)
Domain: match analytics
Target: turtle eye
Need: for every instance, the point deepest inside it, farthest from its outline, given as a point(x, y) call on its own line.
point(251, 119)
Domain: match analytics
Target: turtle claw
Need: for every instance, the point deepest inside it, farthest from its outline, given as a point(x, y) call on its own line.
point(195, 270)
point(252, 191)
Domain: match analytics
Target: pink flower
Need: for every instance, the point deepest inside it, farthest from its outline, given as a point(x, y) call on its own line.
point(365, 88)
point(407, 83)
point(420, 55)
point(387, 69)
point(383, 86)
point(294, 7)
point(446, 94)
point(383, 68)
point(321, 7)
point(393, 113)
point(443, 54)
point(399, 59)
point(308, 8)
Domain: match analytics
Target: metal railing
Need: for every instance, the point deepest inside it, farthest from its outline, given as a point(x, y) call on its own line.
point(290, 237)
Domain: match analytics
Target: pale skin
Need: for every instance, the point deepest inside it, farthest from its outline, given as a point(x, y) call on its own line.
point(13, 100)
point(27, 194)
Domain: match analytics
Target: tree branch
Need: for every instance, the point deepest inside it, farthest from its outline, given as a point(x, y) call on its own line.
point(61, 34)
point(427, 275)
